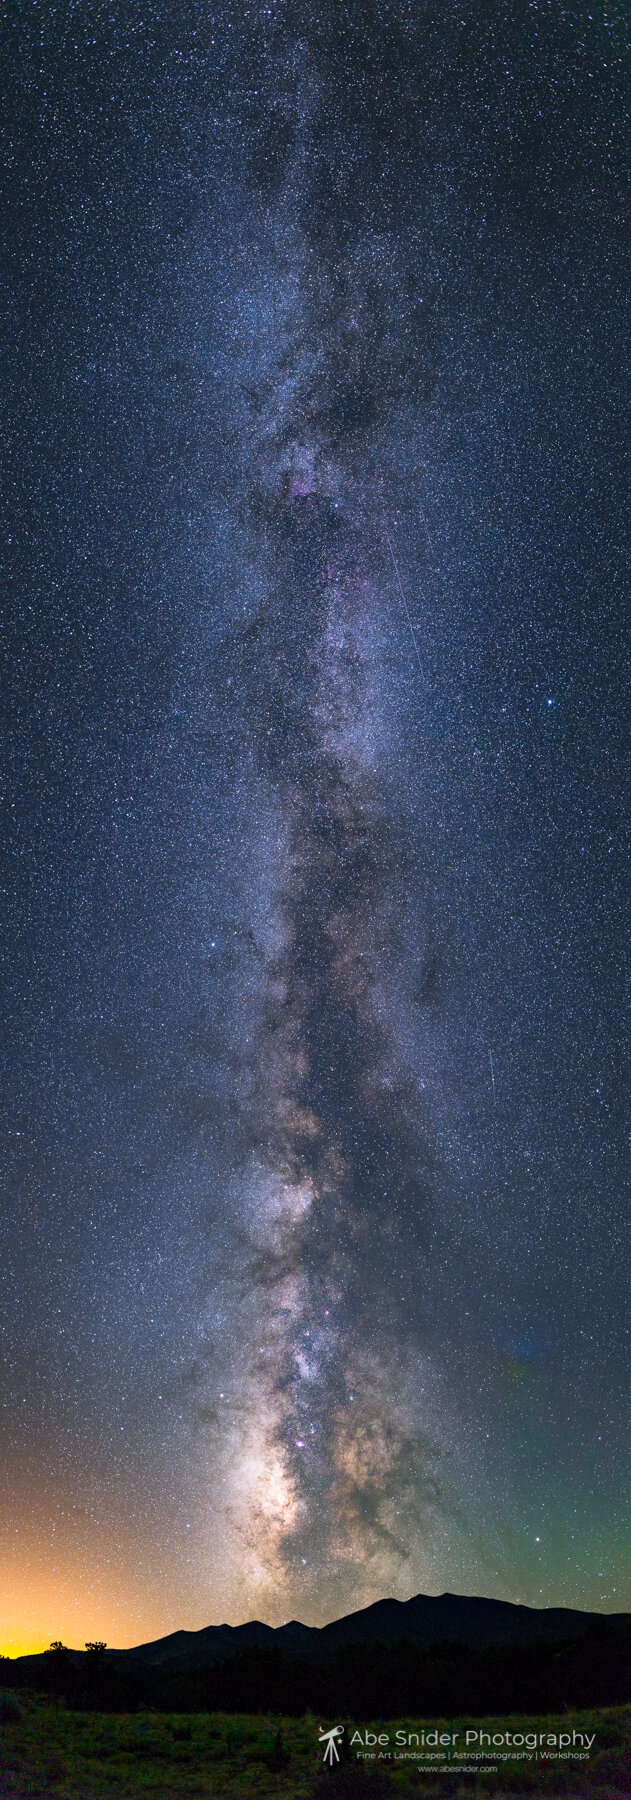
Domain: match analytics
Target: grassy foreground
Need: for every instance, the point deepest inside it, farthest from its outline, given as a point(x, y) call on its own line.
point(66, 1755)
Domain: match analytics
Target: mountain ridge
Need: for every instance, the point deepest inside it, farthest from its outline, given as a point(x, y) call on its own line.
point(472, 1620)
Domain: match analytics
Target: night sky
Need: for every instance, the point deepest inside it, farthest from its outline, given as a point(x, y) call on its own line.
point(316, 544)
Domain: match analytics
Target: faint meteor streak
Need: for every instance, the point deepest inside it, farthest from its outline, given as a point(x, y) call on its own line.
point(407, 609)
point(492, 1075)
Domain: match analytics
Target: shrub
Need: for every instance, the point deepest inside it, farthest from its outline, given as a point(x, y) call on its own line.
point(10, 1709)
point(54, 1765)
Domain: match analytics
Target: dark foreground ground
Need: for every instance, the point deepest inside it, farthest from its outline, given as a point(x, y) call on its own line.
point(49, 1751)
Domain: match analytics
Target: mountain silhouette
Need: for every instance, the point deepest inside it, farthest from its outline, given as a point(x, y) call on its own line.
point(425, 1619)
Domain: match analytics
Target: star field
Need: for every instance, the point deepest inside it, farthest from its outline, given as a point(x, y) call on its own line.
point(316, 555)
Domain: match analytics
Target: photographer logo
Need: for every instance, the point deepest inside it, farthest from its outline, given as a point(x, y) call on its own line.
point(329, 1739)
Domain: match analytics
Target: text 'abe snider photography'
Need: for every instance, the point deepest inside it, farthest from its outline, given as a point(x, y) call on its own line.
point(473, 1741)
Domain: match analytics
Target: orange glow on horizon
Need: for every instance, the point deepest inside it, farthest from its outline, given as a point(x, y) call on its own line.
point(74, 1601)
point(28, 1647)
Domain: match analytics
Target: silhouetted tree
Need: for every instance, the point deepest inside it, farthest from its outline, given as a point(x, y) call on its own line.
point(58, 1669)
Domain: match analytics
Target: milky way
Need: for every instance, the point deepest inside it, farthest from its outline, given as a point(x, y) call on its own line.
point(331, 1462)
point(316, 1127)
